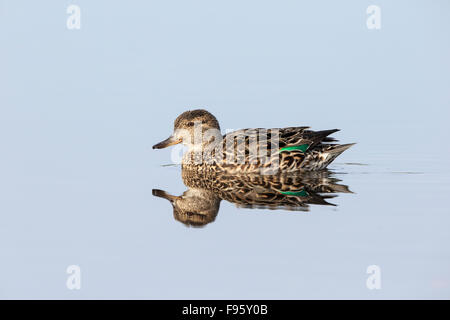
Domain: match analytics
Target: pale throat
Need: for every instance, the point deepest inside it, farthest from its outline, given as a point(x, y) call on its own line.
point(200, 142)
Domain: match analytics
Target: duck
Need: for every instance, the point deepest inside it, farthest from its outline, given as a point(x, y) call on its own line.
point(252, 150)
point(200, 203)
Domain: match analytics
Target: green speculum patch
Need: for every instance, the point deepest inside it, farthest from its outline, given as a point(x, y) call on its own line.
point(302, 148)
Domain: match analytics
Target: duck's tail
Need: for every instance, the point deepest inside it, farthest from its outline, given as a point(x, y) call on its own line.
point(334, 152)
point(321, 157)
point(339, 148)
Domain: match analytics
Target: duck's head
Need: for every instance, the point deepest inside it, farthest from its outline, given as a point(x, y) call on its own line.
point(185, 126)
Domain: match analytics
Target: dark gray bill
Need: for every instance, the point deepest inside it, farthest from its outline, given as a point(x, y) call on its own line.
point(166, 143)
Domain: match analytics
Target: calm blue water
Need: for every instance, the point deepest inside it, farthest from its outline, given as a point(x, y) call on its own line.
point(80, 110)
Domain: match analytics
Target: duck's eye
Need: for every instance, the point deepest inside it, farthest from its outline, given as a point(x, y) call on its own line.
point(190, 124)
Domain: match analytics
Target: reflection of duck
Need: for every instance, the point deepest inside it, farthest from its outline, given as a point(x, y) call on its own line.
point(288, 149)
point(199, 205)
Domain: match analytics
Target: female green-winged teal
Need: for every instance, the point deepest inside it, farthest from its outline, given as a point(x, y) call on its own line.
point(265, 151)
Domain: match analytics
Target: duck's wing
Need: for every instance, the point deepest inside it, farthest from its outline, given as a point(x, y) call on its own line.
point(292, 146)
point(287, 137)
point(302, 137)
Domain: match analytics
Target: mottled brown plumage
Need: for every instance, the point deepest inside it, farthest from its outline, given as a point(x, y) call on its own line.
point(257, 150)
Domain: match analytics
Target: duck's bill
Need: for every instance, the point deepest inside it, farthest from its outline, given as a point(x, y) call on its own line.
point(166, 143)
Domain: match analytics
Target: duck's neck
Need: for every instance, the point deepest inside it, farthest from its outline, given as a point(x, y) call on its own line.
point(201, 150)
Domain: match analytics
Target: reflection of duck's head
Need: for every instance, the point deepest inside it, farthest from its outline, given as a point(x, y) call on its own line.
point(194, 208)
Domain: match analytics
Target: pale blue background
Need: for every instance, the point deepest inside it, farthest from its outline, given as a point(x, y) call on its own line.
point(80, 110)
